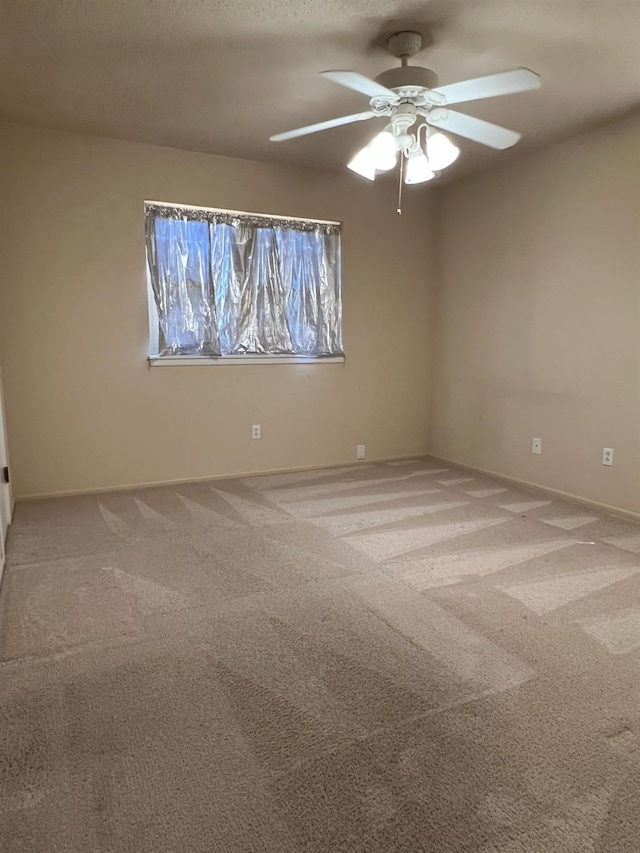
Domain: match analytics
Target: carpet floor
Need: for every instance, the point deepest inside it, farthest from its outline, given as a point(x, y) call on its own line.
point(390, 657)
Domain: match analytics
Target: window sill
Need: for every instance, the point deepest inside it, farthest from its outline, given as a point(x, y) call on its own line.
point(233, 360)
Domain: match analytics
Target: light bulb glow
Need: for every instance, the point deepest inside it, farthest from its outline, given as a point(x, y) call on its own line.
point(384, 149)
point(418, 170)
point(364, 164)
point(441, 152)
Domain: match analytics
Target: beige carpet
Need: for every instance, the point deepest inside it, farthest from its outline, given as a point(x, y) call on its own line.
point(392, 657)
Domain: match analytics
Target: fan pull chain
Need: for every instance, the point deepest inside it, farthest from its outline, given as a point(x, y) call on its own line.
point(401, 172)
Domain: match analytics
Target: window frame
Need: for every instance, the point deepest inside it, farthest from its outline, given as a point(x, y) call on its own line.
point(156, 360)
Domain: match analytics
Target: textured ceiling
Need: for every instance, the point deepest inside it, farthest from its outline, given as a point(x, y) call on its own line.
point(220, 76)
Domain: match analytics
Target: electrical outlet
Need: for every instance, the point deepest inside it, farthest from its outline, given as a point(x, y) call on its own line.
point(607, 455)
point(360, 451)
point(256, 431)
point(536, 446)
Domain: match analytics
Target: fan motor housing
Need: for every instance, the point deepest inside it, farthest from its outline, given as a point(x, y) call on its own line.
point(408, 77)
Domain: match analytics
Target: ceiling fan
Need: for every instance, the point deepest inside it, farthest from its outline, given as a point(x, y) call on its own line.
point(410, 95)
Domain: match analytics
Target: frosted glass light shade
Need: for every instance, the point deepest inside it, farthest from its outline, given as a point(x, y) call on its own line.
point(418, 170)
point(441, 152)
point(364, 164)
point(383, 148)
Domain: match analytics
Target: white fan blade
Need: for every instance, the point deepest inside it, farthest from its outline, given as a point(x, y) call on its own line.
point(473, 128)
point(321, 125)
point(504, 83)
point(359, 83)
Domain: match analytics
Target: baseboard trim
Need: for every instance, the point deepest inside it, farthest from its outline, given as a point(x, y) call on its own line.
point(158, 483)
point(614, 510)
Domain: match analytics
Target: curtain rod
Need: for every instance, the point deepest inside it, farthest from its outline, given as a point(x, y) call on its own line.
point(243, 213)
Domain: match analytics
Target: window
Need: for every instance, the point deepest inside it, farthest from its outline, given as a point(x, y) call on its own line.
point(226, 284)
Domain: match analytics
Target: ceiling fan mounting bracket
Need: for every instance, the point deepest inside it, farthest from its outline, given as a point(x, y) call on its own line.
point(404, 44)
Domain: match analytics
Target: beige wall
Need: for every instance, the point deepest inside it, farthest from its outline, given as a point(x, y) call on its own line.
point(538, 318)
point(537, 321)
point(84, 410)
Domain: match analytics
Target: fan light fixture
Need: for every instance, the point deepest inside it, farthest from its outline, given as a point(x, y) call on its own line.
point(380, 154)
point(409, 96)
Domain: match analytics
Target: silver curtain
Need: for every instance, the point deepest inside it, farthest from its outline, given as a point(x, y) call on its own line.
point(227, 285)
point(178, 253)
